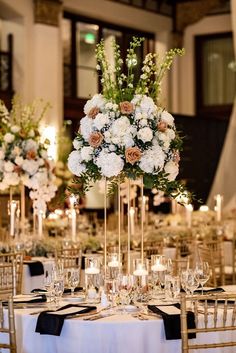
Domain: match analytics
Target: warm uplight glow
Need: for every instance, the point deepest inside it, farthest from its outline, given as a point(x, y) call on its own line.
point(204, 208)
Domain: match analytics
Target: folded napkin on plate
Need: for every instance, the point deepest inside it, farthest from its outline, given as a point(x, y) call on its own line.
point(77, 289)
point(209, 291)
point(51, 322)
point(29, 298)
point(171, 318)
point(36, 268)
point(39, 290)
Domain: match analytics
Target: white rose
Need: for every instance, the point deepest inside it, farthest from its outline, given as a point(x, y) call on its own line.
point(9, 138)
point(170, 133)
point(75, 164)
point(19, 160)
point(100, 121)
point(143, 122)
point(15, 129)
point(172, 169)
point(86, 153)
point(77, 144)
point(167, 117)
point(145, 134)
point(8, 167)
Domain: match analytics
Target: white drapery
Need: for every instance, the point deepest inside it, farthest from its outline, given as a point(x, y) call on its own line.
point(225, 177)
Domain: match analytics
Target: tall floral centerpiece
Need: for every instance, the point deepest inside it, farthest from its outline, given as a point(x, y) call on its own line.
point(125, 133)
point(23, 156)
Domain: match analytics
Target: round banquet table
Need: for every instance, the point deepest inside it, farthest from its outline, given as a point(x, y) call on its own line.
point(114, 334)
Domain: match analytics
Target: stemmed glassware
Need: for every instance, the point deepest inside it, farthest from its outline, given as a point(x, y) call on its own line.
point(158, 270)
point(202, 273)
point(172, 287)
point(58, 288)
point(125, 286)
point(49, 285)
point(73, 279)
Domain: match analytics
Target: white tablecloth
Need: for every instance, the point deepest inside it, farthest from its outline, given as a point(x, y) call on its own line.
point(115, 334)
point(31, 282)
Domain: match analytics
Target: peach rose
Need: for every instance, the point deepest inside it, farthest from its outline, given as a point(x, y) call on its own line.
point(93, 112)
point(126, 107)
point(31, 154)
point(132, 155)
point(95, 139)
point(162, 126)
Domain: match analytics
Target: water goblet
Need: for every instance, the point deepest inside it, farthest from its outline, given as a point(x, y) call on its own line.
point(58, 289)
point(202, 273)
point(172, 287)
point(73, 279)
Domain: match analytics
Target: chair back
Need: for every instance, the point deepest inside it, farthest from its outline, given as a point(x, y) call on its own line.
point(212, 252)
point(15, 258)
point(7, 279)
point(213, 313)
point(7, 327)
point(69, 257)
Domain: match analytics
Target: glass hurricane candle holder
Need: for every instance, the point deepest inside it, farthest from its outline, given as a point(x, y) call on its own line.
point(158, 272)
point(92, 278)
point(141, 279)
point(113, 266)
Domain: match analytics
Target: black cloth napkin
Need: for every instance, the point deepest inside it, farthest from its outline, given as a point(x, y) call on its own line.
point(77, 289)
point(172, 324)
point(50, 323)
point(36, 290)
point(37, 299)
point(209, 291)
point(36, 268)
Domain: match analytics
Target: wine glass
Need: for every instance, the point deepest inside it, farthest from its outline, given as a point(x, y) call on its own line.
point(202, 273)
point(172, 287)
point(73, 279)
point(125, 286)
point(58, 289)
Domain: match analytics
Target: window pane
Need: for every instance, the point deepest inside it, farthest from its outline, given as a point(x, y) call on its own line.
point(219, 80)
point(87, 82)
point(66, 40)
point(86, 40)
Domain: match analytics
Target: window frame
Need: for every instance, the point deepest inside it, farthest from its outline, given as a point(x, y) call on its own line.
point(220, 111)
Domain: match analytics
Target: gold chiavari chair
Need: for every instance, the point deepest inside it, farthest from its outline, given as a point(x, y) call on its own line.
point(180, 265)
point(185, 248)
point(17, 259)
point(214, 313)
point(69, 257)
point(7, 279)
point(154, 247)
point(212, 252)
point(7, 327)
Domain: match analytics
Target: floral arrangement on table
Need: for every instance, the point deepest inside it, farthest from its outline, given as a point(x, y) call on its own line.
point(23, 157)
point(124, 134)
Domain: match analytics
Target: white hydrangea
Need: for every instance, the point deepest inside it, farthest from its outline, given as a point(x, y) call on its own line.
point(3, 186)
point(31, 133)
point(15, 129)
point(86, 127)
point(96, 101)
point(170, 133)
point(167, 117)
point(107, 136)
point(145, 134)
point(9, 138)
point(111, 164)
point(75, 164)
point(144, 104)
point(128, 140)
point(172, 169)
point(86, 153)
point(8, 167)
point(152, 160)
point(120, 126)
point(100, 121)
point(30, 166)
